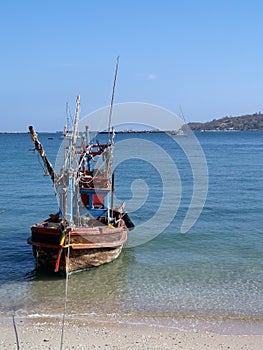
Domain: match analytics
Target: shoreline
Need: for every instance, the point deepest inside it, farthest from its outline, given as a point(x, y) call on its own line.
point(89, 332)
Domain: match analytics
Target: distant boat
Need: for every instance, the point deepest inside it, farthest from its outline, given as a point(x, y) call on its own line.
point(88, 230)
point(179, 132)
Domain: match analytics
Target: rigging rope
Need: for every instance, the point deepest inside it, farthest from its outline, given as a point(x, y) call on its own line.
point(42, 166)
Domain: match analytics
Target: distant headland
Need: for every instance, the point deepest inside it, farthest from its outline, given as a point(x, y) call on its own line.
point(240, 123)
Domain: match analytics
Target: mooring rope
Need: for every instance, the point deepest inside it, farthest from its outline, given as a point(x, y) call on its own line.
point(16, 333)
point(65, 294)
point(13, 320)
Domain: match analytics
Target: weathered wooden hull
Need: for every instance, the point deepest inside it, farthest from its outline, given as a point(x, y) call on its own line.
point(76, 249)
point(78, 260)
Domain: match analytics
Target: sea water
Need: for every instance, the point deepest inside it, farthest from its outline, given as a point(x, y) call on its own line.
point(212, 272)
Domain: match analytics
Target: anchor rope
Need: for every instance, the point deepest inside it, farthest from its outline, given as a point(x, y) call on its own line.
point(65, 295)
point(16, 333)
point(13, 320)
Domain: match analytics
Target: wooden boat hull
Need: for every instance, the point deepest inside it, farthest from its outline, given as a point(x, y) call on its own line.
point(78, 259)
point(77, 248)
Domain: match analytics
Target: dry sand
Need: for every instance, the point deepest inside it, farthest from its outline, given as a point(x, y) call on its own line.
point(42, 333)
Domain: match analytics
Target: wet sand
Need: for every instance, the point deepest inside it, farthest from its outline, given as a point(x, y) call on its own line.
point(44, 333)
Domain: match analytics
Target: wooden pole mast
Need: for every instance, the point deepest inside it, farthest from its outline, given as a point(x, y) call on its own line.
point(112, 98)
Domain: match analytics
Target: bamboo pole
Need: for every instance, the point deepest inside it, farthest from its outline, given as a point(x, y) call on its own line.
point(40, 149)
point(112, 98)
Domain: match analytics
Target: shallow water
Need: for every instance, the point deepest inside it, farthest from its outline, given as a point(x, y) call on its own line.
point(214, 271)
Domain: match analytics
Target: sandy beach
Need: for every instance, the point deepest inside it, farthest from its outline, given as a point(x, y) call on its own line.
point(42, 333)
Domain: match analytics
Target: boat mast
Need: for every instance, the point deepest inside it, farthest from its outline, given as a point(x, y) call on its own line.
point(76, 122)
point(40, 149)
point(110, 143)
point(72, 173)
point(112, 98)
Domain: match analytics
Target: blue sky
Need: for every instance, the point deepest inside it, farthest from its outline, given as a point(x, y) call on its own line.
point(202, 56)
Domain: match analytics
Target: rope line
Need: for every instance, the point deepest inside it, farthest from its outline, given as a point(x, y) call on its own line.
point(16, 333)
point(65, 295)
point(41, 164)
point(13, 319)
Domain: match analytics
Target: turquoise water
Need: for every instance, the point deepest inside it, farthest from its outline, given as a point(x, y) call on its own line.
point(215, 270)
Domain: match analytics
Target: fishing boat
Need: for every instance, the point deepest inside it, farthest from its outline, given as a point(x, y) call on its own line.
point(88, 230)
